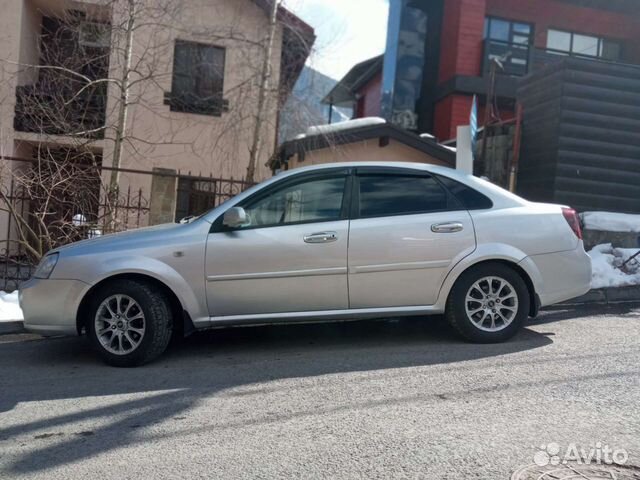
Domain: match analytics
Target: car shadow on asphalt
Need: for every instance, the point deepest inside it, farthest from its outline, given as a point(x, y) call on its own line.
point(235, 361)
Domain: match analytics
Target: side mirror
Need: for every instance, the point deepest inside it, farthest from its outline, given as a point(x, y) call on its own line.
point(235, 217)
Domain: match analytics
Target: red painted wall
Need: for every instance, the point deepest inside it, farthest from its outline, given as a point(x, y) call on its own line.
point(462, 42)
point(442, 118)
point(455, 110)
point(545, 14)
point(368, 104)
point(450, 112)
point(463, 28)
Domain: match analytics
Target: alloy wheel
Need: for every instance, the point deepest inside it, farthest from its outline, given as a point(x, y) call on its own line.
point(491, 304)
point(120, 324)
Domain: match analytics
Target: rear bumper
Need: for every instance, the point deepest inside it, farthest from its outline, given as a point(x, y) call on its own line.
point(50, 306)
point(561, 275)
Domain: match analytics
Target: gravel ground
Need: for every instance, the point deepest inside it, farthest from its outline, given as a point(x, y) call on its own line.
point(395, 399)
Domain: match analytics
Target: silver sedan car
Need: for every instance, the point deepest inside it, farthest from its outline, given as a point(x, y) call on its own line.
point(330, 242)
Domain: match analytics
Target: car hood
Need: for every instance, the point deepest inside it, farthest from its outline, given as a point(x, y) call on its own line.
point(129, 238)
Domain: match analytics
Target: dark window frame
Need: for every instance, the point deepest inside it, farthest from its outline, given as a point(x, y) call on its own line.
point(518, 64)
point(512, 32)
point(351, 199)
point(216, 105)
point(599, 47)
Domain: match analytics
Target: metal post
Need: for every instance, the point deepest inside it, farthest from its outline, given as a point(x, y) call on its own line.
point(488, 107)
point(515, 157)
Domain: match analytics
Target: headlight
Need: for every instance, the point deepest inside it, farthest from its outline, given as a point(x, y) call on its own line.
point(46, 266)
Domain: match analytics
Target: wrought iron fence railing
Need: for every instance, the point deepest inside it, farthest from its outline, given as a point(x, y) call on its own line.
point(45, 206)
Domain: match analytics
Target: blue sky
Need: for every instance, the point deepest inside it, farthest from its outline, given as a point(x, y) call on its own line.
point(348, 31)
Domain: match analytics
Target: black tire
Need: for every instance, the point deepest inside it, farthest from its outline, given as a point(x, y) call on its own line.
point(157, 317)
point(456, 313)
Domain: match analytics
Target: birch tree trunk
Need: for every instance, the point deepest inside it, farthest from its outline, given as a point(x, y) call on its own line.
point(123, 108)
point(265, 78)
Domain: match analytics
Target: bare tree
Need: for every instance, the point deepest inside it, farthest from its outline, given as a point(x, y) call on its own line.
point(48, 200)
point(121, 50)
point(265, 78)
point(123, 104)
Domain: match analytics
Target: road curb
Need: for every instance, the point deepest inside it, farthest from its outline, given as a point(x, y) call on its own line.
point(606, 296)
point(9, 328)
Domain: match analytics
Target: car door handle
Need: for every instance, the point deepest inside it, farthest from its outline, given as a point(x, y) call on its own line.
point(449, 227)
point(321, 237)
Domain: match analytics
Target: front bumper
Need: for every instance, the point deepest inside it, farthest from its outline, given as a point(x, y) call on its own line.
point(50, 306)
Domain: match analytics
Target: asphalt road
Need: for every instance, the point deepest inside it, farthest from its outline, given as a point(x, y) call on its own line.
point(403, 399)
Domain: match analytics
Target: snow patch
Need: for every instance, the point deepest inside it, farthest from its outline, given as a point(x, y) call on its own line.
point(611, 222)
point(348, 125)
point(9, 308)
point(605, 266)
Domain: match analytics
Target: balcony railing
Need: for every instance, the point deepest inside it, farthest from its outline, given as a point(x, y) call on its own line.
point(521, 59)
point(516, 56)
point(55, 112)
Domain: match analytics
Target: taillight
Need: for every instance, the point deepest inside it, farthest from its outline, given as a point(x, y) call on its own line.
point(571, 216)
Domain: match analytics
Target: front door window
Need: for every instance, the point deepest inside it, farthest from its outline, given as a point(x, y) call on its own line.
point(313, 200)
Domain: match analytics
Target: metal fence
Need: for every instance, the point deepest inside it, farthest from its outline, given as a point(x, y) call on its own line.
point(196, 194)
point(43, 207)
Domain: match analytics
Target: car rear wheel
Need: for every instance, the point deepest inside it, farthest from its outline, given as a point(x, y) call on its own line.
point(130, 323)
point(488, 303)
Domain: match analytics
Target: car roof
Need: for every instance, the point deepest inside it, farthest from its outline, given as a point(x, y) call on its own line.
point(499, 196)
point(410, 165)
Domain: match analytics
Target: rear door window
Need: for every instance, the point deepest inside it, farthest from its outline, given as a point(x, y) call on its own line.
point(389, 195)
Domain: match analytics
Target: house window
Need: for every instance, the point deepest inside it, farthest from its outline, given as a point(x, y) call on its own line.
point(562, 42)
point(509, 40)
point(198, 79)
point(507, 31)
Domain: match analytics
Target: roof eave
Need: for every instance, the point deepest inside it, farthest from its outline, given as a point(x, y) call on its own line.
point(344, 91)
point(321, 141)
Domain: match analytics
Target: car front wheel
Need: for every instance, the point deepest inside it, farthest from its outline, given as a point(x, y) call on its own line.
point(130, 323)
point(488, 303)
